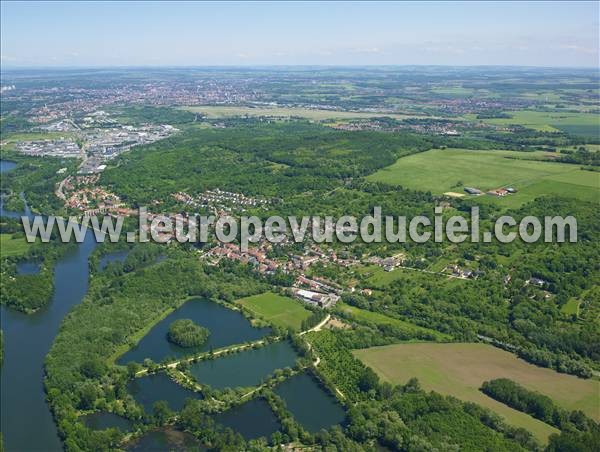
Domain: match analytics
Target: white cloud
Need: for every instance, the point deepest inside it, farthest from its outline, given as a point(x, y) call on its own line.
point(368, 50)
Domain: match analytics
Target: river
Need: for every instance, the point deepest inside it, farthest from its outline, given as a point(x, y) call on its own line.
point(25, 418)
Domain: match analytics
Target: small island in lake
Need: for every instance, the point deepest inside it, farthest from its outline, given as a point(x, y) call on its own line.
point(185, 333)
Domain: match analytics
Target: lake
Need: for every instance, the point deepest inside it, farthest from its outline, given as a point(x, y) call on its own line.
point(252, 419)
point(310, 404)
point(152, 388)
point(246, 368)
point(226, 326)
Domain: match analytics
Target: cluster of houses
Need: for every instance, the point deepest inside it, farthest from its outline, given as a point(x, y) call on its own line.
point(315, 254)
point(463, 273)
point(254, 256)
point(388, 263)
point(316, 291)
point(81, 193)
point(220, 199)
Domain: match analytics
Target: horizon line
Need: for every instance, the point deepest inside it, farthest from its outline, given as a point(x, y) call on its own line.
point(5, 67)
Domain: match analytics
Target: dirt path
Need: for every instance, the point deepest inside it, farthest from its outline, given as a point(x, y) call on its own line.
point(317, 327)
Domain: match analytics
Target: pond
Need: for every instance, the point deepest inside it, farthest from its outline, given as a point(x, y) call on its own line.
point(117, 256)
point(167, 439)
point(7, 165)
point(312, 406)
point(29, 267)
point(103, 420)
point(152, 388)
point(226, 326)
point(246, 368)
point(252, 419)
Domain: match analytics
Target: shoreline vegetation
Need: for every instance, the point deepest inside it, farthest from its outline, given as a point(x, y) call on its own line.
point(27, 291)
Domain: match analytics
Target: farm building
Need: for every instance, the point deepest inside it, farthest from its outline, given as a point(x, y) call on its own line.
point(498, 192)
point(472, 191)
point(321, 300)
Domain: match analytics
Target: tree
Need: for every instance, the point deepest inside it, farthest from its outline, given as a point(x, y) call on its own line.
point(132, 369)
point(368, 380)
point(161, 412)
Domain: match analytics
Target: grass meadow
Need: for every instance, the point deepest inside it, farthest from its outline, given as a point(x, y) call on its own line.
point(450, 170)
point(277, 309)
point(460, 369)
point(10, 246)
point(217, 111)
point(581, 124)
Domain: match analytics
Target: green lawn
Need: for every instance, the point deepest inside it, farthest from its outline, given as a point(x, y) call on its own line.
point(377, 318)
point(571, 307)
point(450, 170)
point(10, 246)
point(279, 310)
point(460, 369)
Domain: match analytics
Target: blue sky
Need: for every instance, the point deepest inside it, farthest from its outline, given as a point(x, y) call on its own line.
point(268, 33)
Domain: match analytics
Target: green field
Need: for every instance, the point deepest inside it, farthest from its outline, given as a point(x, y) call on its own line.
point(582, 124)
point(460, 369)
point(10, 246)
point(375, 317)
point(217, 111)
point(450, 170)
point(279, 310)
